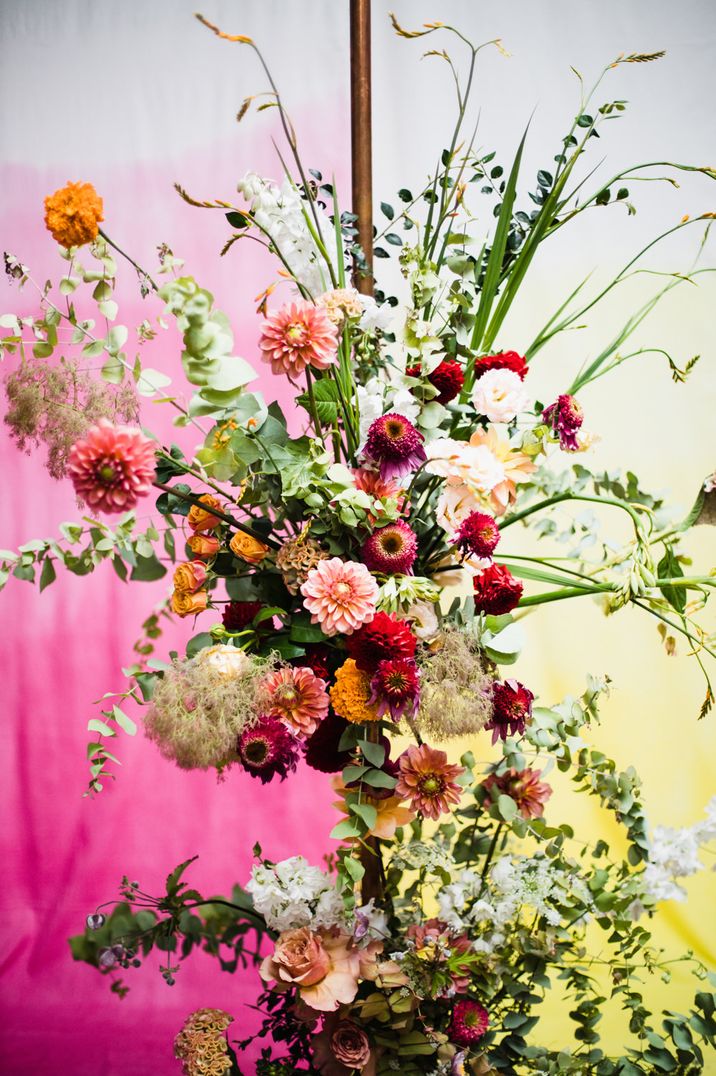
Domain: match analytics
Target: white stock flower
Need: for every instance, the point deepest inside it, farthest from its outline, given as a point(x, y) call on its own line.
point(294, 894)
point(375, 318)
point(500, 395)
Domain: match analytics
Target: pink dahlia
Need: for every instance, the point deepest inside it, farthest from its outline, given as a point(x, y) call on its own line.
point(396, 688)
point(395, 445)
point(469, 1022)
point(427, 779)
point(511, 709)
point(524, 787)
point(296, 336)
point(298, 697)
point(340, 595)
point(391, 549)
point(268, 749)
point(478, 534)
point(565, 416)
point(112, 466)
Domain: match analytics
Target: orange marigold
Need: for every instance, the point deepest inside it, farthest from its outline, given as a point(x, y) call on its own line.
point(73, 213)
point(351, 693)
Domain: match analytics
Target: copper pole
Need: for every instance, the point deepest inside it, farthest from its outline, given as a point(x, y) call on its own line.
point(362, 182)
point(361, 139)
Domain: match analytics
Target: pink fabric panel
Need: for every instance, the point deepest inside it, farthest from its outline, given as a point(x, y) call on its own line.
point(62, 854)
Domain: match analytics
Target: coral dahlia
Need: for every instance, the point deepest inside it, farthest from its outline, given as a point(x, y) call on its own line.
point(469, 1022)
point(524, 787)
point(496, 590)
point(385, 637)
point(340, 595)
point(296, 336)
point(298, 697)
point(506, 360)
point(395, 445)
point(395, 688)
point(511, 709)
point(478, 534)
point(427, 779)
point(111, 467)
point(268, 749)
point(565, 416)
point(391, 550)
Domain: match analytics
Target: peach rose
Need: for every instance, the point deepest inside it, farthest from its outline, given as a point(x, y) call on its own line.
point(350, 1045)
point(184, 604)
point(201, 519)
point(190, 576)
point(248, 548)
point(204, 545)
point(324, 967)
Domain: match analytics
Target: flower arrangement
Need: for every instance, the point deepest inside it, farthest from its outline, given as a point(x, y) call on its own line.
point(370, 619)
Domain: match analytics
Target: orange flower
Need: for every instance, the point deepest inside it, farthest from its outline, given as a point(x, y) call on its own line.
point(518, 466)
point(184, 604)
point(390, 813)
point(72, 214)
point(204, 545)
point(350, 695)
point(248, 548)
point(189, 577)
point(201, 519)
point(324, 967)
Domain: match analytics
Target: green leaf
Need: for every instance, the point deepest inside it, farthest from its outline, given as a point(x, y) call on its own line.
point(48, 574)
point(95, 725)
point(669, 568)
point(353, 867)
point(147, 569)
point(373, 752)
point(346, 830)
point(380, 779)
point(302, 631)
point(387, 210)
point(113, 370)
point(125, 723)
point(151, 381)
point(366, 811)
point(198, 642)
point(325, 394)
point(507, 808)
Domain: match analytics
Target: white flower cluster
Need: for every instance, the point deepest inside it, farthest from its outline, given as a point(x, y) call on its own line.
point(514, 884)
point(419, 855)
point(279, 212)
point(674, 853)
point(293, 894)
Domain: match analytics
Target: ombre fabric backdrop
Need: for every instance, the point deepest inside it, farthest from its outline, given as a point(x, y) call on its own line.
point(134, 96)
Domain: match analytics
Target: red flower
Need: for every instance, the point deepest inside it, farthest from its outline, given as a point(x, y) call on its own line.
point(565, 416)
point(396, 688)
point(496, 590)
point(391, 549)
point(469, 1022)
point(315, 658)
point(268, 749)
point(385, 637)
point(524, 787)
point(478, 534)
point(506, 360)
point(238, 615)
point(511, 709)
point(322, 747)
point(448, 378)
point(395, 445)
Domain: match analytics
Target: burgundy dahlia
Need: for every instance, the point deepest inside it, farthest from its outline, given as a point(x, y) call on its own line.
point(565, 416)
point(316, 658)
point(385, 637)
point(448, 378)
point(391, 550)
point(268, 749)
point(506, 360)
point(238, 615)
point(469, 1022)
point(322, 751)
point(511, 709)
point(478, 534)
point(395, 445)
point(395, 688)
point(496, 590)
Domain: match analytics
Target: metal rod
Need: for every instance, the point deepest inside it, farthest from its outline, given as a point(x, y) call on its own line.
point(361, 139)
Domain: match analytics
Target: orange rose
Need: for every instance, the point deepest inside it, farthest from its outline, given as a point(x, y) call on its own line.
point(204, 545)
point(248, 548)
point(325, 967)
point(201, 519)
point(185, 604)
point(72, 214)
point(190, 576)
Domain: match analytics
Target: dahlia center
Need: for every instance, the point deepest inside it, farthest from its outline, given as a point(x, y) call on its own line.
point(394, 429)
point(342, 590)
point(287, 693)
point(296, 334)
point(106, 473)
point(431, 784)
point(256, 752)
point(471, 1018)
point(392, 543)
point(397, 682)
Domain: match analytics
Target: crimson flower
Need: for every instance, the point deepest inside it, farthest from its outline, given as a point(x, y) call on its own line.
point(385, 637)
point(395, 688)
point(391, 550)
point(511, 709)
point(496, 590)
point(268, 749)
point(565, 416)
point(395, 445)
point(448, 378)
point(469, 1022)
point(478, 534)
point(505, 360)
